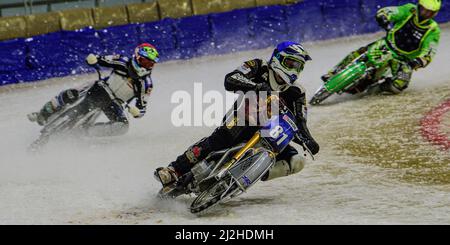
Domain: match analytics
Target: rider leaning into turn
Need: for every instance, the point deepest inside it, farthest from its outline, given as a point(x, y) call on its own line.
point(279, 74)
point(129, 80)
point(414, 36)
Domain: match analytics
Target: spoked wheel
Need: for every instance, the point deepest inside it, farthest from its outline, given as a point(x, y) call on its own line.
point(320, 96)
point(61, 123)
point(46, 132)
point(49, 130)
point(214, 194)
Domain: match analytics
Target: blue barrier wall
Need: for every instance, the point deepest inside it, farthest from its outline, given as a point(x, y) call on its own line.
point(62, 53)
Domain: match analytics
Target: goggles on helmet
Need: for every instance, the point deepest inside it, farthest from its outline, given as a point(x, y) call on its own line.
point(292, 64)
point(145, 63)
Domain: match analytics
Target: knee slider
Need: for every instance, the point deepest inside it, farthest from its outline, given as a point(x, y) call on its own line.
point(400, 84)
point(69, 96)
point(390, 86)
point(284, 168)
point(297, 163)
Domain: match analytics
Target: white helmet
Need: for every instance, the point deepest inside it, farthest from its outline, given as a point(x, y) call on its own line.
point(288, 61)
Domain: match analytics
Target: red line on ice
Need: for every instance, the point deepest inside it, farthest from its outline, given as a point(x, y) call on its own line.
point(431, 123)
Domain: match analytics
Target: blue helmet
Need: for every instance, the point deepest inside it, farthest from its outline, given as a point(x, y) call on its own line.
point(288, 60)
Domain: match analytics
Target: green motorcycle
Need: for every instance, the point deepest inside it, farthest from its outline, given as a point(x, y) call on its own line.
point(363, 72)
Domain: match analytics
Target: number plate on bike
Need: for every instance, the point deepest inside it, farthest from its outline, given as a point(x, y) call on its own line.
point(280, 130)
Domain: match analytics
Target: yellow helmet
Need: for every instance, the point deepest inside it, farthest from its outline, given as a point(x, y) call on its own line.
point(431, 5)
point(427, 9)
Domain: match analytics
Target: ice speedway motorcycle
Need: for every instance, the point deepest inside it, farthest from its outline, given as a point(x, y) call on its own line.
point(227, 173)
point(364, 72)
point(72, 119)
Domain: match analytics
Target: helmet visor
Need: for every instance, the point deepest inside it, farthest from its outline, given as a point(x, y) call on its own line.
point(293, 64)
point(426, 14)
point(145, 63)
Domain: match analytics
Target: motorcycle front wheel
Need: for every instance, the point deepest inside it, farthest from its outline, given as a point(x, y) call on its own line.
point(320, 96)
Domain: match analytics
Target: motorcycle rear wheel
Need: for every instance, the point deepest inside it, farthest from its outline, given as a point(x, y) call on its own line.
point(213, 195)
point(62, 122)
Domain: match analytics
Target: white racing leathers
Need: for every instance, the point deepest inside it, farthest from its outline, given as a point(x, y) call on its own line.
point(122, 86)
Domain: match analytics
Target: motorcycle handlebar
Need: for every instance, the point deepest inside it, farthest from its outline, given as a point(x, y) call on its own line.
point(97, 68)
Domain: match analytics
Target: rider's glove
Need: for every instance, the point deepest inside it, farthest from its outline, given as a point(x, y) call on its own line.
point(311, 144)
point(383, 21)
point(416, 63)
point(91, 59)
point(376, 54)
point(136, 112)
point(380, 55)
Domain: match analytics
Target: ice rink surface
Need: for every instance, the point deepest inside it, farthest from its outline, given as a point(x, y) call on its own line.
point(373, 168)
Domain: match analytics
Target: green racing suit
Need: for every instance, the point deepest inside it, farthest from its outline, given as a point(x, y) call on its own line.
point(413, 40)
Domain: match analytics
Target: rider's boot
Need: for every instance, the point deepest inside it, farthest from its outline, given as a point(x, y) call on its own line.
point(284, 168)
point(56, 104)
point(166, 175)
point(36, 117)
point(189, 158)
point(42, 116)
point(389, 86)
